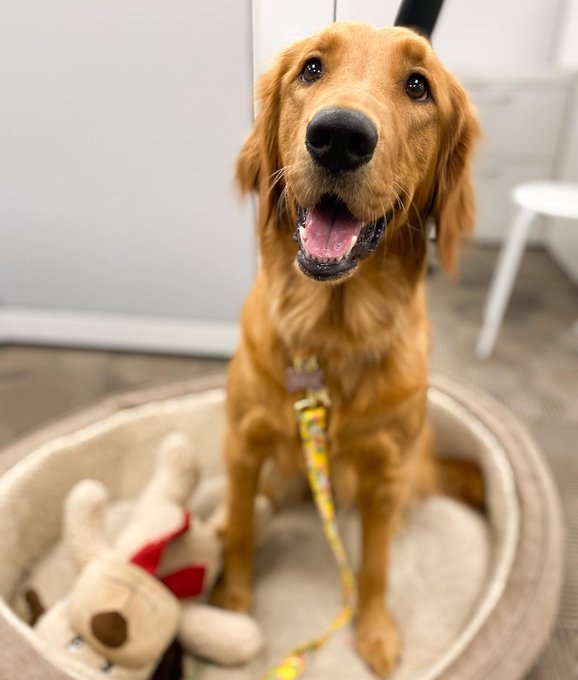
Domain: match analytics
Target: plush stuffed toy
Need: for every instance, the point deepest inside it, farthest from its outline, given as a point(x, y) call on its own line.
point(133, 599)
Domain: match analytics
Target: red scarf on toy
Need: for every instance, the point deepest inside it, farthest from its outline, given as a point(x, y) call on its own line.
point(183, 583)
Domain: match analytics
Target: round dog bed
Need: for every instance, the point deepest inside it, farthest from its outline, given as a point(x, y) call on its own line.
point(475, 598)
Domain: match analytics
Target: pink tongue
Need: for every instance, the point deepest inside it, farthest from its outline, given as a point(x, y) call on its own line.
point(329, 233)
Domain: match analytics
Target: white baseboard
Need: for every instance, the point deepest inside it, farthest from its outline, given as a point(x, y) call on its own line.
point(136, 333)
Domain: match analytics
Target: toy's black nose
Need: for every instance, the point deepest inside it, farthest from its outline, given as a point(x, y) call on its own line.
point(110, 628)
point(341, 139)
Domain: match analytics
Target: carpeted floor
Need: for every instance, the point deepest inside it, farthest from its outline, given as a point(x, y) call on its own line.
point(534, 371)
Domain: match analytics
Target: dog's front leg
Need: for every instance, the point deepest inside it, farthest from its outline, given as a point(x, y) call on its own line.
point(244, 456)
point(383, 491)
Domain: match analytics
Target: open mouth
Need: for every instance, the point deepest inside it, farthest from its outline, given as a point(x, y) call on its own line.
point(332, 241)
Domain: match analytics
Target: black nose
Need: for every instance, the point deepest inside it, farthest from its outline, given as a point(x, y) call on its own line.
point(341, 139)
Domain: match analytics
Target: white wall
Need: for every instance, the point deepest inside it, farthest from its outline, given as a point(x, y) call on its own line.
point(119, 127)
point(475, 33)
point(567, 44)
point(278, 23)
point(471, 34)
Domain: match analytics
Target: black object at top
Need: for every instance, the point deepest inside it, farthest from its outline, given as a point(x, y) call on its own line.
point(420, 15)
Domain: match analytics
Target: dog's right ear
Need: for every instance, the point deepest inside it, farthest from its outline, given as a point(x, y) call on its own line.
point(248, 167)
point(259, 155)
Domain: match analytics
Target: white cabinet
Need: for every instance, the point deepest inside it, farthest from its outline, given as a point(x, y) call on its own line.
point(119, 128)
point(562, 236)
point(522, 115)
point(562, 239)
point(494, 182)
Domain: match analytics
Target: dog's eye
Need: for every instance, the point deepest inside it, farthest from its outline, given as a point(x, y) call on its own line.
point(416, 87)
point(312, 71)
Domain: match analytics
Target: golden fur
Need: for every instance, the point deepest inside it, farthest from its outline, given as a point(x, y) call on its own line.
point(369, 331)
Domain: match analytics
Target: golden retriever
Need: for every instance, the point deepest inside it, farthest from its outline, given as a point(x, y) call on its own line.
point(362, 139)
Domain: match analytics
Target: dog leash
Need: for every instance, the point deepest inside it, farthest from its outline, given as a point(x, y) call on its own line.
point(312, 422)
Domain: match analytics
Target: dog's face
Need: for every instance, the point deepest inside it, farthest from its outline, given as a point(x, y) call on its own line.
point(361, 132)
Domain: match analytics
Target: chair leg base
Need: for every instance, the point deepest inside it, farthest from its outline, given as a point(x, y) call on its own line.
point(503, 281)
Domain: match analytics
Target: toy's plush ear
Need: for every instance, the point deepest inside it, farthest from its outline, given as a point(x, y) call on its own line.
point(35, 605)
point(84, 522)
point(176, 473)
point(159, 507)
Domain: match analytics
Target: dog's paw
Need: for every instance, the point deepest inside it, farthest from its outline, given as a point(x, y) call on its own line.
point(234, 599)
point(378, 640)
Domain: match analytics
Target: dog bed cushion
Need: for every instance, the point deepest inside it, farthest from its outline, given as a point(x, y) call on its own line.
point(474, 597)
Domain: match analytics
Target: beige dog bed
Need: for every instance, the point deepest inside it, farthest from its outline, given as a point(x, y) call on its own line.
point(475, 598)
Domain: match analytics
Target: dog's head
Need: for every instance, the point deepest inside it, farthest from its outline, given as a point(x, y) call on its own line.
point(361, 133)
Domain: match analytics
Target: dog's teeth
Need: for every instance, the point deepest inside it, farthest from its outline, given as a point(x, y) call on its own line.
point(351, 245)
point(302, 234)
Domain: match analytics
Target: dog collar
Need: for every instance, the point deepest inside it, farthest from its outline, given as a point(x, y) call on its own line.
point(306, 375)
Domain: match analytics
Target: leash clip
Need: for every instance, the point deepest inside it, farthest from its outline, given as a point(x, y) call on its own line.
point(312, 399)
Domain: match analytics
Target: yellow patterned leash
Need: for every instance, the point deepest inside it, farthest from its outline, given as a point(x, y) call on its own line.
point(312, 421)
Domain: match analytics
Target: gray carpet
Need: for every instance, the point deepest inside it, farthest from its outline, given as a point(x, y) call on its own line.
point(534, 371)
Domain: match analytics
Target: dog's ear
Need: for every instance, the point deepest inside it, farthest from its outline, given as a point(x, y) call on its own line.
point(259, 157)
point(454, 204)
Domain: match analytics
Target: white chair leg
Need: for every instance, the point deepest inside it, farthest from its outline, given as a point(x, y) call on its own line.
point(503, 280)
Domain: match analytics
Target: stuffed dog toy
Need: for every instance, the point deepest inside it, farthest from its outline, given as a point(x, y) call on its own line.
point(132, 599)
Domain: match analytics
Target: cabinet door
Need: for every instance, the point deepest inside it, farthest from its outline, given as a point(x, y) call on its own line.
point(562, 240)
point(522, 121)
point(494, 183)
point(119, 127)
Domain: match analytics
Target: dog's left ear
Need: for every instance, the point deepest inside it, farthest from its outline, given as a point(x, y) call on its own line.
point(454, 204)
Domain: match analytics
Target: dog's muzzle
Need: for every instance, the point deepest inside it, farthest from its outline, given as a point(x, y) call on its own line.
point(332, 241)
